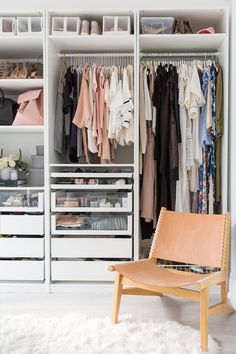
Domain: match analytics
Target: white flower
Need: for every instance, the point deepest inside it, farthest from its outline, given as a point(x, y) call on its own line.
point(3, 162)
point(11, 163)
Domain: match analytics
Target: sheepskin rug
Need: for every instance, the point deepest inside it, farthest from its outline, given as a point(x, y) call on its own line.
point(75, 334)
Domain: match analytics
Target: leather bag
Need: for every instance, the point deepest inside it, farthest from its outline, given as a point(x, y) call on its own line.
point(30, 111)
point(8, 109)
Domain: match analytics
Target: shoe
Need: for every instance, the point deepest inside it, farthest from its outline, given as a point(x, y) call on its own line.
point(95, 28)
point(23, 72)
point(85, 28)
point(14, 73)
point(8, 70)
point(6, 25)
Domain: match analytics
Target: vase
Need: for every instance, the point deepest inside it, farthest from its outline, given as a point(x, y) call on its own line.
point(13, 174)
point(5, 173)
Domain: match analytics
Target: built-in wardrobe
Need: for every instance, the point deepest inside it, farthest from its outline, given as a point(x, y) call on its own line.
point(87, 215)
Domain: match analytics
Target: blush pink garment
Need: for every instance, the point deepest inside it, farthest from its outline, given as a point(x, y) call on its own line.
point(30, 111)
point(84, 109)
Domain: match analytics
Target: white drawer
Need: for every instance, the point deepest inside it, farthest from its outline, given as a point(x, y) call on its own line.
point(22, 270)
point(90, 229)
point(14, 247)
point(91, 247)
point(82, 271)
point(22, 224)
point(100, 201)
point(22, 201)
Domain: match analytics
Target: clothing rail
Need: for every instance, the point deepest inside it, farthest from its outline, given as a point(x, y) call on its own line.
point(206, 54)
point(79, 55)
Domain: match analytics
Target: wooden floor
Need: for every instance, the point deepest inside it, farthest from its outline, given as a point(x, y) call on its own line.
point(99, 304)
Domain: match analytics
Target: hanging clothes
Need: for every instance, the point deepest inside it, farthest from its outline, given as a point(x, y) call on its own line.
point(187, 99)
point(69, 107)
point(99, 101)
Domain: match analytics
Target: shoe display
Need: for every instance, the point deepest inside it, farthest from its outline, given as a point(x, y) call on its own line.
point(21, 70)
point(95, 28)
point(85, 26)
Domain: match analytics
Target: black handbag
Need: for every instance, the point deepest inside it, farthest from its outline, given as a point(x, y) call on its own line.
point(8, 109)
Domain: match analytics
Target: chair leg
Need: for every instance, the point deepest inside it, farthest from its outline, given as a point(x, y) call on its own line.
point(204, 307)
point(224, 292)
point(117, 297)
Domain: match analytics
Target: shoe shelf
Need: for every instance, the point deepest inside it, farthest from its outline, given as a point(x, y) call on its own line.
point(99, 43)
point(27, 46)
point(18, 85)
point(181, 42)
point(21, 129)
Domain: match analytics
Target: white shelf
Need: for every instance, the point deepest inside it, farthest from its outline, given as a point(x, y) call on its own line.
point(13, 85)
point(92, 186)
point(181, 42)
point(21, 46)
point(41, 188)
point(13, 129)
point(100, 43)
point(91, 165)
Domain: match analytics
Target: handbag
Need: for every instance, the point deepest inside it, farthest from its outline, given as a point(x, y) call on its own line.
point(8, 109)
point(30, 111)
point(182, 27)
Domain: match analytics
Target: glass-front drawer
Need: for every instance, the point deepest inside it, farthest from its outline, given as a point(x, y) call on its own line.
point(92, 179)
point(103, 201)
point(21, 200)
point(91, 224)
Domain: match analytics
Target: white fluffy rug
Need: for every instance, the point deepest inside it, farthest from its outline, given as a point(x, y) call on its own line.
point(74, 334)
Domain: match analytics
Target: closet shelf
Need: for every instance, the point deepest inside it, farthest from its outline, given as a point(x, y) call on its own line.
point(181, 42)
point(92, 165)
point(21, 46)
point(99, 43)
point(13, 129)
point(15, 85)
point(33, 188)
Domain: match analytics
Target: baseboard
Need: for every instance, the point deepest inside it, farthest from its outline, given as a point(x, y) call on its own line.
point(232, 290)
point(23, 288)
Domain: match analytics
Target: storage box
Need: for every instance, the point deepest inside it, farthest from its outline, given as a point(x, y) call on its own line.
point(115, 25)
point(7, 26)
point(66, 25)
point(37, 161)
point(40, 150)
point(29, 25)
point(157, 25)
point(36, 177)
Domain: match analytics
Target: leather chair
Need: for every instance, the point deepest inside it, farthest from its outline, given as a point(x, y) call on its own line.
point(195, 239)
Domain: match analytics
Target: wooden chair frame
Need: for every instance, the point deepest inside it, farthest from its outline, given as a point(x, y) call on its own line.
point(200, 293)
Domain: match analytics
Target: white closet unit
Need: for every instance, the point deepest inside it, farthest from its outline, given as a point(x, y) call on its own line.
point(84, 252)
point(22, 246)
point(39, 249)
point(199, 46)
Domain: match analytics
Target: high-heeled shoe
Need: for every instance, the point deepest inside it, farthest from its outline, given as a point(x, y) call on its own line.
point(14, 73)
point(23, 72)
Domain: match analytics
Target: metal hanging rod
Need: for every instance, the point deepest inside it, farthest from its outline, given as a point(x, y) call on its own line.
point(84, 55)
point(156, 55)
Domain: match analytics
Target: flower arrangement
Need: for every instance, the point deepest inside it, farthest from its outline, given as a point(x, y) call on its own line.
point(13, 161)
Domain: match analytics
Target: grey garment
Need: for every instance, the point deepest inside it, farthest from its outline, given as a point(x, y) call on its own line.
point(79, 131)
point(59, 126)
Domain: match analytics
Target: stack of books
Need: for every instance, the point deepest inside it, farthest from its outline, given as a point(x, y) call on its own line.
point(9, 183)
